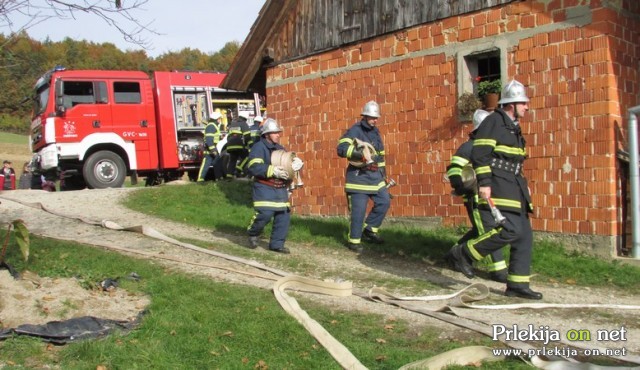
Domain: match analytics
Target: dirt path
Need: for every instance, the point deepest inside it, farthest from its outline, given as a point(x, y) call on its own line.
point(98, 205)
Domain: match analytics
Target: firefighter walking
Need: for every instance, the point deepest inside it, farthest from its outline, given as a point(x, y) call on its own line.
point(238, 143)
point(497, 156)
point(211, 139)
point(255, 130)
point(365, 176)
point(463, 184)
point(270, 189)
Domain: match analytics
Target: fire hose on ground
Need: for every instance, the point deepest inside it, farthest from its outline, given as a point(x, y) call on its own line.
point(452, 311)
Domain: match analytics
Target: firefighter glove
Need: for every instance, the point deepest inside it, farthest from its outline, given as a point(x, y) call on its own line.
point(296, 164)
point(280, 173)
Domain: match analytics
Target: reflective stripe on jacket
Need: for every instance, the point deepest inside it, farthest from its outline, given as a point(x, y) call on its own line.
point(500, 140)
point(238, 135)
point(260, 167)
point(361, 180)
point(211, 136)
point(459, 160)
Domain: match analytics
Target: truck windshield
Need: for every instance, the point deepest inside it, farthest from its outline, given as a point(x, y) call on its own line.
point(40, 99)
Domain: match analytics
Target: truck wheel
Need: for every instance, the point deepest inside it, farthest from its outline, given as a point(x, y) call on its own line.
point(104, 169)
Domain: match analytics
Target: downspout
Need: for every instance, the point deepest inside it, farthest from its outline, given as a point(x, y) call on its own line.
point(634, 180)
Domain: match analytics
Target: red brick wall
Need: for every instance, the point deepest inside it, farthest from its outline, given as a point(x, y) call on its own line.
point(581, 81)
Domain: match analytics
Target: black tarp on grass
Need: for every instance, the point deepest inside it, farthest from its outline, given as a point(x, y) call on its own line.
point(79, 328)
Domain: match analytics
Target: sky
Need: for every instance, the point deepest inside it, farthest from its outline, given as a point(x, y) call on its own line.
point(206, 25)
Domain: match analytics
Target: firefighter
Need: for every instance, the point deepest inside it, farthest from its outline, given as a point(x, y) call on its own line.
point(254, 130)
point(365, 182)
point(211, 139)
point(7, 176)
point(270, 189)
point(238, 143)
point(497, 156)
point(458, 174)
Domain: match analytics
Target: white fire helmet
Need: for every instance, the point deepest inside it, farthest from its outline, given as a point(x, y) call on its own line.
point(514, 92)
point(258, 119)
point(216, 115)
point(244, 114)
point(371, 109)
point(478, 116)
point(270, 126)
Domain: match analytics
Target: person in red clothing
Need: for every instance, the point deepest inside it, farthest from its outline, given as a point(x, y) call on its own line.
point(7, 176)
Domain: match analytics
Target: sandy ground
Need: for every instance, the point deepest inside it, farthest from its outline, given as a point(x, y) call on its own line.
point(36, 300)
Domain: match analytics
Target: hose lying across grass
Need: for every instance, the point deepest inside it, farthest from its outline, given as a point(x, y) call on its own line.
point(451, 311)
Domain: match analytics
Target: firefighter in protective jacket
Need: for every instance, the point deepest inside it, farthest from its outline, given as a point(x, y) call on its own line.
point(498, 155)
point(362, 145)
point(211, 139)
point(270, 189)
point(238, 143)
point(462, 180)
point(255, 130)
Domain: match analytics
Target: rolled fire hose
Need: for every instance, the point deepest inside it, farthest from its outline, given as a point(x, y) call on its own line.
point(468, 176)
point(368, 151)
point(284, 159)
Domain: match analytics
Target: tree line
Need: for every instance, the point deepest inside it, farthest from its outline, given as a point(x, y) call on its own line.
point(23, 60)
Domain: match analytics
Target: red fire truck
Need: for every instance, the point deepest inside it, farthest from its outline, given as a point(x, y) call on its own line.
point(92, 128)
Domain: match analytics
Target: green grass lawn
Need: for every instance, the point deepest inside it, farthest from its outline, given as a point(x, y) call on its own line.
point(195, 323)
point(10, 138)
point(226, 207)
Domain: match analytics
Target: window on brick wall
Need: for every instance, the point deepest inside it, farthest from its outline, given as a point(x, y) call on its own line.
point(481, 66)
point(477, 63)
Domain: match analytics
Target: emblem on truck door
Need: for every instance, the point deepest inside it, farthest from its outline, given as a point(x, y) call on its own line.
point(69, 129)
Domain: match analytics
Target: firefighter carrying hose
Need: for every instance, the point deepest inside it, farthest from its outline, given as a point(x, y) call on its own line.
point(497, 156)
point(238, 143)
point(462, 180)
point(270, 189)
point(362, 145)
point(211, 139)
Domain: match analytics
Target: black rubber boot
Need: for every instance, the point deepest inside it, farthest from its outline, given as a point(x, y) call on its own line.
point(459, 261)
point(525, 293)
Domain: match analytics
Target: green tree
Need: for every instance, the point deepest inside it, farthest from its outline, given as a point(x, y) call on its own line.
point(23, 61)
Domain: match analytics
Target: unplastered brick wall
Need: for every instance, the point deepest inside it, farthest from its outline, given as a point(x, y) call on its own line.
point(578, 60)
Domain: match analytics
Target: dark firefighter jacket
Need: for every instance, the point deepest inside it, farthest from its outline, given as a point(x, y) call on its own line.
point(254, 133)
point(268, 192)
point(238, 135)
point(460, 160)
point(370, 179)
point(497, 156)
point(211, 136)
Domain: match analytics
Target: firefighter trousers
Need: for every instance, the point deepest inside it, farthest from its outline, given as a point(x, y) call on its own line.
point(279, 229)
point(237, 162)
point(358, 208)
point(208, 162)
point(495, 260)
point(517, 232)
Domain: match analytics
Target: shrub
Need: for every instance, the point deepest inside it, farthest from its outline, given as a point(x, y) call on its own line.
point(467, 104)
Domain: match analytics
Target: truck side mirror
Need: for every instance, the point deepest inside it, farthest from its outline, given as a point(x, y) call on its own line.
point(59, 91)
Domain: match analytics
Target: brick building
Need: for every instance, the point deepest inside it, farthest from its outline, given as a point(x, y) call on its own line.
point(318, 62)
